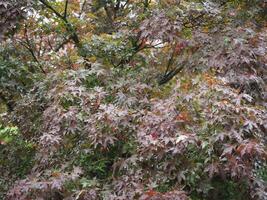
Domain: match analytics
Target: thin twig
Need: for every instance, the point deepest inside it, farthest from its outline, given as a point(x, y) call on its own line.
point(30, 49)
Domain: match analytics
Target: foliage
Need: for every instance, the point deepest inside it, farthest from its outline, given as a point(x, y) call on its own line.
point(16, 157)
point(133, 99)
point(11, 12)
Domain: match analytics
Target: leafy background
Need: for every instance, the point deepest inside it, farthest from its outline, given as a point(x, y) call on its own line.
point(112, 99)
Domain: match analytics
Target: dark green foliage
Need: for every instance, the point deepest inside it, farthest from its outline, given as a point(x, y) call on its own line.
point(16, 158)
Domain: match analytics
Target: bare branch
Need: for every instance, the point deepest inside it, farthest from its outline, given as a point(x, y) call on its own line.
point(66, 9)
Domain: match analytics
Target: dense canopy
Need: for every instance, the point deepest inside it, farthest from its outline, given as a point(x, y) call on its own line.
point(133, 99)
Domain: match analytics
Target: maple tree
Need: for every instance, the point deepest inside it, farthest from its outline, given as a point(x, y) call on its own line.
point(133, 99)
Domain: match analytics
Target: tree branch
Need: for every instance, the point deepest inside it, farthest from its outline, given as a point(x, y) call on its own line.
point(62, 44)
point(82, 7)
point(167, 77)
point(46, 4)
point(30, 49)
point(69, 27)
point(66, 9)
